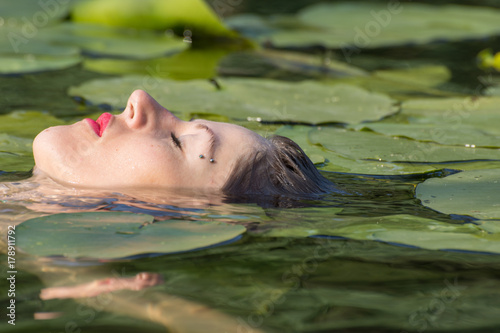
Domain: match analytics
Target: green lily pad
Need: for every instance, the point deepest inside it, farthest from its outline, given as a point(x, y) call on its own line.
point(186, 65)
point(368, 145)
point(492, 91)
point(152, 14)
point(21, 49)
point(353, 26)
point(423, 76)
point(329, 160)
point(36, 13)
point(13, 44)
point(15, 153)
point(456, 113)
point(108, 235)
point(307, 101)
point(491, 226)
point(403, 84)
point(466, 136)
point(474, 193)
point(108, 41)
point(20, 54)
point(333, 161)
point(401, 229)
point(32, 64)
point(27, 124)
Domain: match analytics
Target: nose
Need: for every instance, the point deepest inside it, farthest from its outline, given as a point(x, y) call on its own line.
point(143, 110)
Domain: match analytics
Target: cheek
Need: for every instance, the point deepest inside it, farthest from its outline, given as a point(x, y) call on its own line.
point(142, 162)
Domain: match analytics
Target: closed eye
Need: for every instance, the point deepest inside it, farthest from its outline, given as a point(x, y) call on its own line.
point(176, 141)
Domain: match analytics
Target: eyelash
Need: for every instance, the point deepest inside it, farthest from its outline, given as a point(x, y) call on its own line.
point(176, 141)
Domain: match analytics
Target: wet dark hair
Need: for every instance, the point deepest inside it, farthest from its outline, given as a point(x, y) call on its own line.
point(283, 169)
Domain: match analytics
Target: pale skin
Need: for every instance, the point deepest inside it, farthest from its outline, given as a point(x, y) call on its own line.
point(144, 146)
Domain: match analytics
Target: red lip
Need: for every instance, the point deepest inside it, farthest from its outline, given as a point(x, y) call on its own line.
point(100, 125)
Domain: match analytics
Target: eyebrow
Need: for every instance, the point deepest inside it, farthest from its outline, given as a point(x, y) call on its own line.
point(212, 141)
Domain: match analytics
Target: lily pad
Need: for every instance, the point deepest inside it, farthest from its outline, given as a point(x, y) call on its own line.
point(403, 84)
point(186, 65)
point(27, 124)
point(195, 15)
point(36, 13)
point(329, 160)
point(492, 91)
point(362, 145)
point(108, 41)
point(474, 193)
point(108, 235)
point(401, 229)
point(22, 53)
point(466, 136)
point(423, 76)
point(15, 153)
point(307, 101)
point(32, 64)
point(13, 43)
point(353, 26)
point(456, 113)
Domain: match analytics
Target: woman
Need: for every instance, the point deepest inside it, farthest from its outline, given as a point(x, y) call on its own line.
point(147, 146)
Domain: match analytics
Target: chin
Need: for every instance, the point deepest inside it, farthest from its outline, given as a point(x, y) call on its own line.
point(41, 148)
point(48, 149)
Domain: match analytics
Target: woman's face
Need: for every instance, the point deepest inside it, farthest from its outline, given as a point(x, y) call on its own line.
point(143, 146)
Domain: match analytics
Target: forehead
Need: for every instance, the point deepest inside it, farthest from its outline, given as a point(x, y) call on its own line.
point(232, 132)
point(235, 142)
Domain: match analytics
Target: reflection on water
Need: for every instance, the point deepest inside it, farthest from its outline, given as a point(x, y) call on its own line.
point(281, 284)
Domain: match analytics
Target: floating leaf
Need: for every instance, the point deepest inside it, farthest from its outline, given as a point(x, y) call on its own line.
point(405, 83)
point(21, 52)
point(15, 153)
point(455, 113)
point(467, 136)
point(337, 162)
point(474, 193)
point(152, 14)
point(34, 14)
point(493, 91)
point(367, 145)
point(307, 101)
point(30, 64)
point(32, 55)
point(190, 64)
point(107, 41)
point(423, 76)
point(108, 235)
point(27, 124)
point(11, 46)
point(333, 160)
point(355, 26)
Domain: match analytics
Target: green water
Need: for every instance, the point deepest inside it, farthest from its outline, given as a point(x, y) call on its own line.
point(275, 278)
